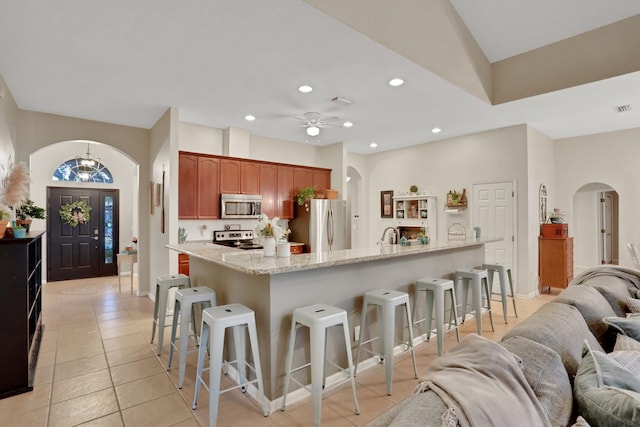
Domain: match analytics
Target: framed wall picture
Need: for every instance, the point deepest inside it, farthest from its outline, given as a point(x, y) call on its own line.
point(386, 204)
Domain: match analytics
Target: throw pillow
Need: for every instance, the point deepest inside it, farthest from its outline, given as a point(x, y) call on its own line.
point(605, 392)
point(580, 422)
point(633, 304)
point(624, 342)
point(627, 326)
point(547, 377)
point(628, 359)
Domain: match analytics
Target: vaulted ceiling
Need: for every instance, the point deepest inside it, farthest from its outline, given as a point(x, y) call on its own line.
point(468, 66)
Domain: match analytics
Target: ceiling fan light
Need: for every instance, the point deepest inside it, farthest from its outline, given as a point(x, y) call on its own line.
point(347, 124)
point(313, 131)
point(305, 89)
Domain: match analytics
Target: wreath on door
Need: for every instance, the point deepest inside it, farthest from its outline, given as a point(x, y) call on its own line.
point(75, 213)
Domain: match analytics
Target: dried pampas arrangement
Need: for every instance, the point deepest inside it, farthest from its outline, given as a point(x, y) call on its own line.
point(15, 186)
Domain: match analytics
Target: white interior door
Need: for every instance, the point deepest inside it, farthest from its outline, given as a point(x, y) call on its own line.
point(492, 211)
point(606, 228)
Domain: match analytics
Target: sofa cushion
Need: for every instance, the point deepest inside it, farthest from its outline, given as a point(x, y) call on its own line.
point(614, 290)
point(633, 304)
point(547, 376)
point(627, 326)
point(605, 393)
point(624, 342)
point(593, 307)
point(561, 328)
point(628, 359)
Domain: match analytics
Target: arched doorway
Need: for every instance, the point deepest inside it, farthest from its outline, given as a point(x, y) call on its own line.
point(44, 162)
point(596, 229)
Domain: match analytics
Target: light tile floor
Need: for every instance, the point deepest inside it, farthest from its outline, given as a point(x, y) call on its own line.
point(97, 368)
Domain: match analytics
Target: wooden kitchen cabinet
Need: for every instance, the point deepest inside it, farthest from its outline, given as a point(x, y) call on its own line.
point(285, 192)
point(555, 262)
point(321, 180)
point(208, 194)
point(230, 175)
point(183, 264)
point(302, 177)
point(250, 178)
point(187, 185)
point(269, 189)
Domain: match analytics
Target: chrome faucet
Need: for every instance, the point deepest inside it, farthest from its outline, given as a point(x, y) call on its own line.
point(394, 240)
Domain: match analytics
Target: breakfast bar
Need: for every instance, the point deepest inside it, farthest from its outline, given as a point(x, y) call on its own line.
point(274, 286)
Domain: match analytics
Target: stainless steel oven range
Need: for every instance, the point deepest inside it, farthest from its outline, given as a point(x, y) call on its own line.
point(241, 239)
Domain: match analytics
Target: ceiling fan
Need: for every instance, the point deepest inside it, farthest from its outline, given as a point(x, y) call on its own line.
point(313, 122)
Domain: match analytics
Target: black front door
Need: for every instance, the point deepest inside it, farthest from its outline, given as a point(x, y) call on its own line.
point(88, 249)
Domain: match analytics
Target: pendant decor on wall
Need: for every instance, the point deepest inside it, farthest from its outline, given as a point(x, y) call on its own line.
point(543, 203)
point(75, 213)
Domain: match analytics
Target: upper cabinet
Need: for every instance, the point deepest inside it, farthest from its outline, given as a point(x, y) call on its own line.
point(203, 177)
point(188, 185)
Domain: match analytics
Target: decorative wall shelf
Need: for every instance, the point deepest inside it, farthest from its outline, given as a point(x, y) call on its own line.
point(417, 210)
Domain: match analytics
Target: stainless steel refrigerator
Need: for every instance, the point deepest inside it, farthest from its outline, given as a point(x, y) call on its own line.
point(322, 225)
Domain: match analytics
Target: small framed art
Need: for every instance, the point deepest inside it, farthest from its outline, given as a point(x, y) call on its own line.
point(386, 204)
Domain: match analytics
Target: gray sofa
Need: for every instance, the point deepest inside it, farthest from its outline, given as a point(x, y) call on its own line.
point(476, 383)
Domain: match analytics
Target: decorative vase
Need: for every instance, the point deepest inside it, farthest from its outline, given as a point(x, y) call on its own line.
point(269, 246)
point(26, 223)
point(19, 233)
point(284, 249)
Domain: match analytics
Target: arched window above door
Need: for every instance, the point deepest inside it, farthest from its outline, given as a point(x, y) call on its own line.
point(75, 170)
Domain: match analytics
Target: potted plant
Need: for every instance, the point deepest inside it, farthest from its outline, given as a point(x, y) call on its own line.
point(27, 211)
point(305, 194)
point(19, 232)
point(413, 189)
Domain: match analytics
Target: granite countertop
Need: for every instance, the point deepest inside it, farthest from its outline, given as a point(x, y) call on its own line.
point(255, 263)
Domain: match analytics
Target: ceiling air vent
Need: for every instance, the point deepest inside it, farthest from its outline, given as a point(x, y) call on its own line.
point(622, 108)
point(343, 101)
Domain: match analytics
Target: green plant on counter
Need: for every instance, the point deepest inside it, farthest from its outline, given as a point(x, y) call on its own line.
point(413, 189)
point(305, 194)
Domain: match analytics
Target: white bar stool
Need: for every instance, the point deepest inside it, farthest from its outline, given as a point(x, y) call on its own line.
point(318, 318)
point(215, 321)
point(163, 284)
point(387, 300)
point(475, 279)
point(504, 271)
point(185, 299)
point(435, 290)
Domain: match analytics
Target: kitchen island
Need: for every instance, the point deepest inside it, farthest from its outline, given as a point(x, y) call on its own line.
point(273, 287)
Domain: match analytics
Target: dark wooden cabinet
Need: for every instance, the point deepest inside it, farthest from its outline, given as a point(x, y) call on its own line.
point(20, 312)
point(187, 185)
point(555, 262)
point(208, 198)
point(302, 177)
point(269, 189)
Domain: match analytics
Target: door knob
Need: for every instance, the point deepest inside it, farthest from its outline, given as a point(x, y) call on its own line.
point(95, 237)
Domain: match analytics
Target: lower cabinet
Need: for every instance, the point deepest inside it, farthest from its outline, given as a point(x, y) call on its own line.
point(183, 264)
point(555, 262)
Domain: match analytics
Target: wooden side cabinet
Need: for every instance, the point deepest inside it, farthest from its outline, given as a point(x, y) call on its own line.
point(555, 262)
point(183, 264)
point(20, 312)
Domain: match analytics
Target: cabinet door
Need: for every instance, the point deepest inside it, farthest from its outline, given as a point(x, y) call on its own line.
point(269, 189)
point(208, 194)
point(321, 180)
point(250, 178)
point(230, 176)
point(183, 264)
point(187, 185)
point(302, 177)
point(286, 196)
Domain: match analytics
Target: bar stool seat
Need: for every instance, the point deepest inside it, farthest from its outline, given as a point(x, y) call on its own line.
point(386, 300)
point(475, 279)
point(318, 318)
point(504, 272)
point(163, 284)
point(215, 320)
point(435, 290)
point(185, 300)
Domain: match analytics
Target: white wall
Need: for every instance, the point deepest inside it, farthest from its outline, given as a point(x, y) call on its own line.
point(607, 158)
point(8, 120)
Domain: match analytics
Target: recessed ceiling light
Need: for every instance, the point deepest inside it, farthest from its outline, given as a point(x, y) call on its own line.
point(436, 130)
point(373, 145)
point(347, 124)
point(396, 82)
point(305, 88)
point(249, 118)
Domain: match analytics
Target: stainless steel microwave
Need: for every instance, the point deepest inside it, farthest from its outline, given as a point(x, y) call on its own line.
point(240, 205)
